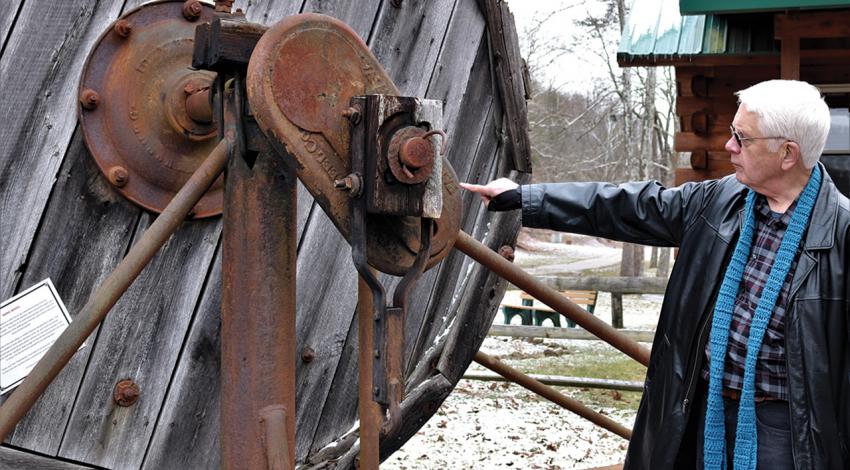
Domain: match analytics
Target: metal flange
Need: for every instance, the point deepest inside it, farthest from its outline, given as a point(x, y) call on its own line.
point(146, 116)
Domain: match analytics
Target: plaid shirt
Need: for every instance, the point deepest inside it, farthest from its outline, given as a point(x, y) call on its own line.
point(771, 374)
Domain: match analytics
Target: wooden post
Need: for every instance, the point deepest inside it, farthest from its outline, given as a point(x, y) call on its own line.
point(616, 309)
point(789, 58)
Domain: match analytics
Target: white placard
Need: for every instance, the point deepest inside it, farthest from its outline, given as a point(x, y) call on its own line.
point(29, 324)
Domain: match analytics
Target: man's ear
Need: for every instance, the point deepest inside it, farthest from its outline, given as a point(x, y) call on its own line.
point(790, 154)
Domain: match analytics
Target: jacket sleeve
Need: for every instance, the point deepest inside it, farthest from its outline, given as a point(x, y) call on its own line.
point(646, 212)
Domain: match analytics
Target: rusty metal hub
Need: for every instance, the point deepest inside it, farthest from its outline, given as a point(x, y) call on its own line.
point(301, 78)
point(146, 116)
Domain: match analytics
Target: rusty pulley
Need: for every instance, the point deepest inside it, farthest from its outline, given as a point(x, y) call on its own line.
point(301, 78)
point(146, 115)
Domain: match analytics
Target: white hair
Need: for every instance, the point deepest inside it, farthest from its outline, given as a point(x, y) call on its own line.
point(790, 109)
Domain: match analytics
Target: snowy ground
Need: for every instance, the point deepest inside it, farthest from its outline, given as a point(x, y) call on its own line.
point(488, 425)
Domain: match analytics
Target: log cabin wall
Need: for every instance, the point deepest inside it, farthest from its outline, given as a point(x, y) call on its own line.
point(706, 105)
point(59, 218)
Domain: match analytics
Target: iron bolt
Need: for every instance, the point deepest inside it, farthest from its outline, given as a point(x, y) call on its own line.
point(118, 176)
point(377, 354)
point(89, 99)
point(416, 153)
point(353, 115)
point(126, 393)
point(396, 3)
point(350, 183)
point(189, 88)
point(123, 28)
point(376, 391)
point(507, 252)
point(192, 9)
point(307, 354)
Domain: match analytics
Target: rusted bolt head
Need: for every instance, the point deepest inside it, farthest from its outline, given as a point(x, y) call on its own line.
point(192, 9)
point(89, 99)
point(123, 28)
point(118, 176)
point(307, 354)
point(507, 252)
point(351, 183)
point(189, 88)
point(126, 393)
point(416, 153)
point(353, 115)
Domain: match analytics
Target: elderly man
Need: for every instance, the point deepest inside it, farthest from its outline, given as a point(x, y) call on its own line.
point(750, 367)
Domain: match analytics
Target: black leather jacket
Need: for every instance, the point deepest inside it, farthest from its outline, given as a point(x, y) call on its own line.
point(703, 220)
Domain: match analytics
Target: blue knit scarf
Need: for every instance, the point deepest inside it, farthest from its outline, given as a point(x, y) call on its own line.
point(746, 441)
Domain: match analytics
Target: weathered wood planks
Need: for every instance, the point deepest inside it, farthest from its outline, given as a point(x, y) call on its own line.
point(140, 340)
point(14, 459)
point(86, 231)
point(40, 67)
point(7, 19)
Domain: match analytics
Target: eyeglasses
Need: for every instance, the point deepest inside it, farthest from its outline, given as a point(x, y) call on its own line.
point(739, 139)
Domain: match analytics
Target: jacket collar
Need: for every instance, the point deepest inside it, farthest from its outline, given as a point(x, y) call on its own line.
point(820, 234)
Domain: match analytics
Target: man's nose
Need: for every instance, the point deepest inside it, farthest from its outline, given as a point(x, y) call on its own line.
point(732, 146)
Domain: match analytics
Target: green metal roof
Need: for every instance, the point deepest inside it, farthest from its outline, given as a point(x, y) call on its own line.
point(693, 7)
point(656, 32)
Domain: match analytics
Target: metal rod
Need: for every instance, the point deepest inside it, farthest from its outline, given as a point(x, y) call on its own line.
point(562, 381)
point(370, 411)
point(561, 304)
point(551, 394)
point(102, 300)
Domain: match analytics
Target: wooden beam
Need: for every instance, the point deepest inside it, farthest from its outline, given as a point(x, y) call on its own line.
point(683, 175)
point(553, 332)
point(621, 284)
point(689, 141)
point(686, 105)
point(816, 24)
point(699, 160)
point(563, 381)
point(508, 65)
point(790, 58)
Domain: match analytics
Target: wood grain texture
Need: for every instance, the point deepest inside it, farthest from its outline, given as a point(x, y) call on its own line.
point(82, 204)
point(7, 19)
point(407, 41)
point(456, 62)
point(187, 431)
point(140, 340)
point(360, 16)
point(40, 68)
point(15, 459)
point(267, 12)
point(508, 65)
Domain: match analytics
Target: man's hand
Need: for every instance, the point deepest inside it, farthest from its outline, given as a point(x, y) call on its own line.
point(491, 189)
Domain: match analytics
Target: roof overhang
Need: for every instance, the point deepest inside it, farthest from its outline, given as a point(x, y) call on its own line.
point(700, 7)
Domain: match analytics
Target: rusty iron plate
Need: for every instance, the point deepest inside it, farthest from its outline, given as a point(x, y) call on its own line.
point(138, 98)
point(301, 77)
